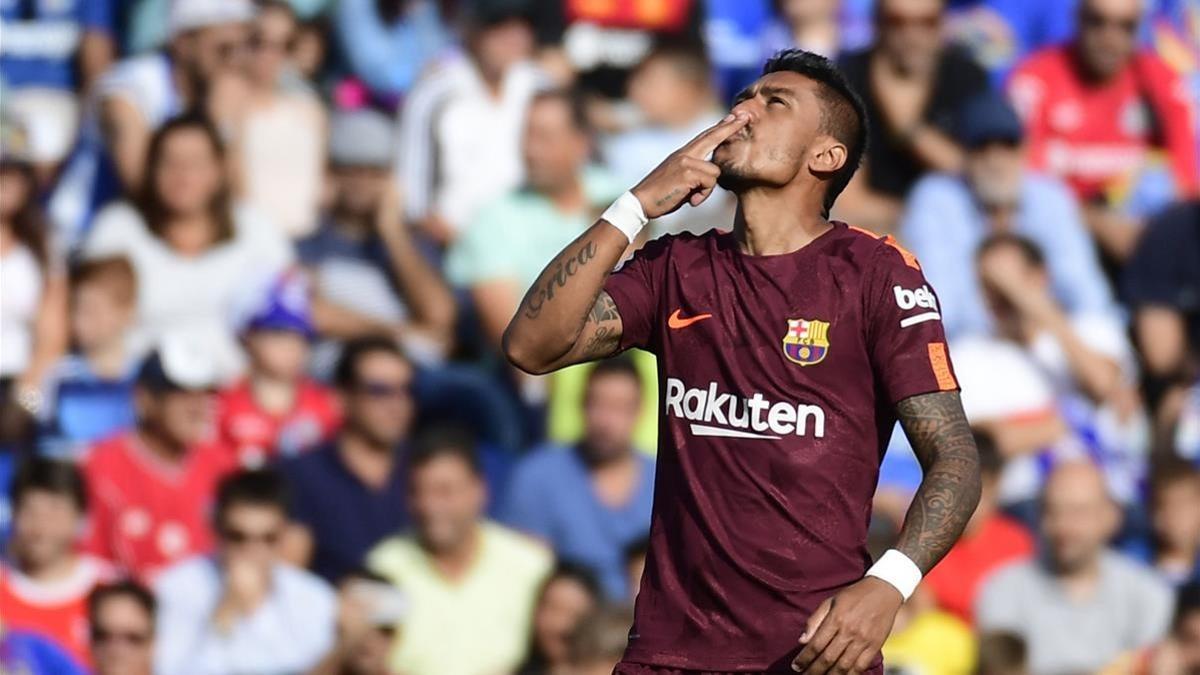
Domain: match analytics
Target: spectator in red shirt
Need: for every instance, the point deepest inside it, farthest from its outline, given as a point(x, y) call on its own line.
point(1095, 108)
point(150, 488)
point(990, 541)
point(277, 410)
point(44, 584)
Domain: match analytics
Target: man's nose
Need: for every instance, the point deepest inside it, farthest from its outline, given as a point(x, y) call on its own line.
point(750, 106)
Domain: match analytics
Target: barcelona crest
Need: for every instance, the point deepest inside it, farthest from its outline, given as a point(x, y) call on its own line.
point(806, 341)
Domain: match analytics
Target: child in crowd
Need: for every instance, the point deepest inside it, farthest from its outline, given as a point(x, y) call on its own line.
point(89, 392)
point(277, 410)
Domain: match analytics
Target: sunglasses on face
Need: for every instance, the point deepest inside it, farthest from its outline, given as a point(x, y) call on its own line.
point(260, 43)
point(101, 636)
point(230, 49)
point(239, 537)
point(897, 21)
point(1097, 21)
point(383, 390)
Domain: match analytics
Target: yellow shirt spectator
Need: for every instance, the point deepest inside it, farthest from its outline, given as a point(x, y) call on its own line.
point(476, 625)
point(933, 643)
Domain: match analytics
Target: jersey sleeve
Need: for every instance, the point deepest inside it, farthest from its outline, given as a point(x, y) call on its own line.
point(905, 337)
point(635, 287)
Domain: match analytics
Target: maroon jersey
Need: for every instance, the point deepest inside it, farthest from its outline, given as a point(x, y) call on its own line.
point(779, 376)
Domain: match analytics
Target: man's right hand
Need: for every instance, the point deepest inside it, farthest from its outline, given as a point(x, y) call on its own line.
point(687, 175)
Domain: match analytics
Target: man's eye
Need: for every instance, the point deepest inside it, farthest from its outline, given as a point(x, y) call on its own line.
point(775, 99)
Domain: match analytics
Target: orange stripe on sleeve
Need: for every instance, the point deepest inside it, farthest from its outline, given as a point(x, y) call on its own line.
point(941, 366)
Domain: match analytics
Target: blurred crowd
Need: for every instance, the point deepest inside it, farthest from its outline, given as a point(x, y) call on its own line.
point(256, 259)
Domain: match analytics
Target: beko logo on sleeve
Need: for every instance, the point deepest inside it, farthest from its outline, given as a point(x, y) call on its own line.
point(912, 299)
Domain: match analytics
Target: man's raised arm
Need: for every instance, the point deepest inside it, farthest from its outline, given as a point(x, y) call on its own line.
point(566, 317)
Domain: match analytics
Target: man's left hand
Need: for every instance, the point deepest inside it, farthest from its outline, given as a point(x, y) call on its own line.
point(846, 632)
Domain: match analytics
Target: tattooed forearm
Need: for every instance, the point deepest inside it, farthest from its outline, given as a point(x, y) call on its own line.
point(941, 438)
point(601, 335)
point(563, 270)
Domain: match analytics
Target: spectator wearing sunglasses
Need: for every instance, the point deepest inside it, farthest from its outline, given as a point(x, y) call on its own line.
point(244, 609)
point(150, 489)
point(280, 145)
point(350, 494)
point(948, 216)
point(1096, 110)
point(913, 84)
point(122, 629)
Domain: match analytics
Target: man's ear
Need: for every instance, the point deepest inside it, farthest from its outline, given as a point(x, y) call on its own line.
point(830, 156)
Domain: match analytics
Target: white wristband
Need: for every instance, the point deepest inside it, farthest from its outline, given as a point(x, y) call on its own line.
point(898, 570)
point(626, 215)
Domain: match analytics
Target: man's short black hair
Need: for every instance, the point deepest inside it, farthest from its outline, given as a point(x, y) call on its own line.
point(991, 463)
point(1187, 602)
point(444, 441)
point(38, 474)
point(843, 114)
point(1029, 250)
point(253, 487)
point(125, 588)
point(574, 103)
point(345, 374)
point(618, 365)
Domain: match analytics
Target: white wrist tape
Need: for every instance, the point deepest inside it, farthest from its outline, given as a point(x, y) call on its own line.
point(895, 568)
point(626, 215)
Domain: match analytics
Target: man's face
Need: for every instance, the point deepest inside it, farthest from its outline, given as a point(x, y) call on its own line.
point(44, 528)
point(212, 51)
point(183, 417)
point(909, 33)
point(502, 45)
point(279, 354)
point(446, 499)
point(774, 146)
point(657, 88)
point(994, 172)
point(1176, 516)
point(122, 638)
point(379, 406)
point(1078, 517)
point(1107, 35)
point(554, 147)
point(251, 533)
point(359, 189)
point(611, 408)
point(270, 42)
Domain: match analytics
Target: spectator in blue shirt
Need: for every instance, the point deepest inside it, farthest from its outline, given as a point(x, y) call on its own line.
point(947, 217)
point(388, 44)
point(350, 494)
point(591, 501)
point(89, 393)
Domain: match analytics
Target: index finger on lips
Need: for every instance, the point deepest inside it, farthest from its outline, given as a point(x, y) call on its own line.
point(703, 145)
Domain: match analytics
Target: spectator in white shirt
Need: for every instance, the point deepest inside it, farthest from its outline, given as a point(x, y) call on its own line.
point(195, 253)
point(460, 128)
point(244, 610)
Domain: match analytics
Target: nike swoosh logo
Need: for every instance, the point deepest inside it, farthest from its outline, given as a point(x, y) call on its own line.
point(676, 322)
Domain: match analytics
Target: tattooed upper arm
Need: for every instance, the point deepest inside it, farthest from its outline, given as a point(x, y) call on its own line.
point(601, 334)
point(941, 438)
